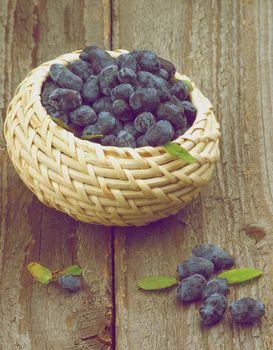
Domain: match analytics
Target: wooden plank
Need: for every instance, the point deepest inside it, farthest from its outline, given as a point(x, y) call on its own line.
point(34, 316)
point(226, 47)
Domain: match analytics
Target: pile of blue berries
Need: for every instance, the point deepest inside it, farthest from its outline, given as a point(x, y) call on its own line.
point(195, 272)
point(131, 101)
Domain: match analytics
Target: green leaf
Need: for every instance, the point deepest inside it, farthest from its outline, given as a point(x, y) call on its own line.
point(91, 137)
point(62, 124)
point(176, 150)
point(73, 270)
point(240, 275)
point(39, 272)
point(156, 282)
point(189, 84)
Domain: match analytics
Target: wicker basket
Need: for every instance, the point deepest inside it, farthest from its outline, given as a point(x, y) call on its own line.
point(104, 184)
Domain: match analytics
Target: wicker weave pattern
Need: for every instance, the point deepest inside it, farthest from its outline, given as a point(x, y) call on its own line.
point(105, 185)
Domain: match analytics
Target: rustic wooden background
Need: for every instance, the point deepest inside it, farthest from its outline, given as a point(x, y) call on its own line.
point(226, 47)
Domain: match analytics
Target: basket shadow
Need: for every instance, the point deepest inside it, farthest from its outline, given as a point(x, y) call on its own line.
point(160, 229)
point(151, 249)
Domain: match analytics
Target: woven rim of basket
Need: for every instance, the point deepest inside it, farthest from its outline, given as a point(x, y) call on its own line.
point(201, 139)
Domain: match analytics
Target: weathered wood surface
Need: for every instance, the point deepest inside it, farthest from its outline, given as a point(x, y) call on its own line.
point(226, 47)
point(34, 316)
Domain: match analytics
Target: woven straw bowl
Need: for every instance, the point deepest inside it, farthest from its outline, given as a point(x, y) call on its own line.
point(104, 184)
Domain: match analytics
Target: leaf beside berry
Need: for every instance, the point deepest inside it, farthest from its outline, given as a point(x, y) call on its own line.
point(240, 275)
point(40, 272)
point(73, 270)
point(156, 282)
point(176, 150)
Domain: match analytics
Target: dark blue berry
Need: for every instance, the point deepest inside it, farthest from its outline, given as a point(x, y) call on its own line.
point(167, 66)
point(127, 75)
point(143, 121)
point(148, 61)
point(48, 88)
point(83, 116)
point(97, 57)
point(174, 100)
point(162, 73)
point(104, 125)
point(148, 79)
point(92, 129)
point(129, 127)
point(117, 128)
point(220, 258)
point(103, 104)
point(64, 99)
point(213, 309)
point(195, 265)
point(216, 285)
point(122, 92)
point(172, 113)
point(122, 110)
point(55, 69)
point(178, 103)
point(127, 60)
point(57, 114)
point(246, 310)
point(69, 80)
point(108, 140)
point(136, 53)
point(191, 288)
point(179, 132)
point(144, 100)
point(91, 89)
point(190, 112)
point(65, 78)
point(108, 79)
point(179, 89)
point(106, 122)
point(70, 282)
point(82, 69)
point(125, 139)
point(141, 142)
point(224, 261)
point(159, 133)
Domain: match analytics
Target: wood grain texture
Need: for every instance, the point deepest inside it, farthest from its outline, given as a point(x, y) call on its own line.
point(226, 48)
point(34, 316)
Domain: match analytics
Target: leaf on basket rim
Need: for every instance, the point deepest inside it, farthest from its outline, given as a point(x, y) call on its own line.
point(91, 137)
point(189, 84)
point(175, 149)
point(240, 275)
point(40, 272)
point(62, 124)
point(156, 282)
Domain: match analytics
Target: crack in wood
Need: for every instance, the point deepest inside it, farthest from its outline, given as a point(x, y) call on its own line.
point(95, 323)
